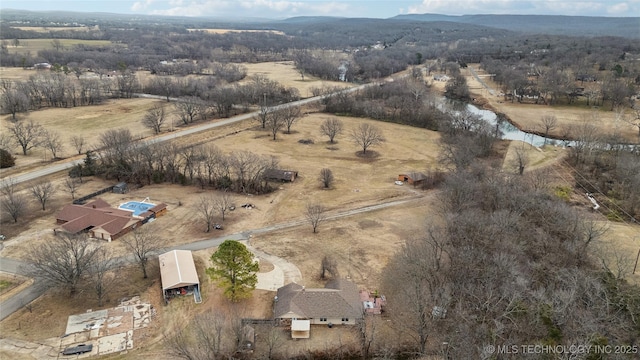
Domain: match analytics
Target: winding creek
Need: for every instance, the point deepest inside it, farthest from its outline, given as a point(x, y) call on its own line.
point(508, 131)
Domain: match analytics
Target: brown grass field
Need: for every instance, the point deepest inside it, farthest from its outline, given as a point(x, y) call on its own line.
point(361, 244)
point(34, 45)
point(45, 29)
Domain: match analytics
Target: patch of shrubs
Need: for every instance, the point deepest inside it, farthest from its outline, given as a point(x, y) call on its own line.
point(6, 159)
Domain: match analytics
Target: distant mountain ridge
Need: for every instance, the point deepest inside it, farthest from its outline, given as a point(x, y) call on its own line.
point(628, 27)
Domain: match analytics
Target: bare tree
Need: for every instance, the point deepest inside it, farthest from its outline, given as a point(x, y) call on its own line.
point(12, 202)
point(142, 243)
point(366, 136)
point(420, 263)
point(43, 191)
point(326, 176)
point(27, 134)
point(328, 265)
point(206, 208)
point(331, 127)
point(99, 277)
point(52, 142)
point(57, 44)
point(6, 141)
point(78, 143)
point(635, 119)
point(549, 122)
point(367, 327)
point(154, 118)
point(202, 339)
point(263, 113)
point(274, 340)
point(63, 260)
point(223, 200)
point(274, 122)
point(72, 186)
point(290, 115)
point(14, 101)
point(521, 158)
point(187, 109)
point(315, 214)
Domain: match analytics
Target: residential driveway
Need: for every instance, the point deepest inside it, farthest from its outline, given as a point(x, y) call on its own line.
point(283, 271)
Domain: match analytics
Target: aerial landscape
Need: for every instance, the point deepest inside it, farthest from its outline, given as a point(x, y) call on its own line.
point(319, 179)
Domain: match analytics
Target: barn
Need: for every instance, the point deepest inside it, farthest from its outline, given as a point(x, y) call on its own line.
point(179, 275)
point(412, 178)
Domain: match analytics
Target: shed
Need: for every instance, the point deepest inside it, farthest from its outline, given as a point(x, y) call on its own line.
point(280, 175)
point(179, 275)
point(412, 178)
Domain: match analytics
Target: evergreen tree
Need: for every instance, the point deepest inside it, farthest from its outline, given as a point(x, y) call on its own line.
point(234, 270)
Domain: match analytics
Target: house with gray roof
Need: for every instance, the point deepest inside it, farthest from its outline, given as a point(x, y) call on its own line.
point(337, 303)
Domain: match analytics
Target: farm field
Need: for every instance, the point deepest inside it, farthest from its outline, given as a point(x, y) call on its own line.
point(34, 45)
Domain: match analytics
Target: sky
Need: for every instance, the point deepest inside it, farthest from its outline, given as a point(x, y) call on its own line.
point(279, 9)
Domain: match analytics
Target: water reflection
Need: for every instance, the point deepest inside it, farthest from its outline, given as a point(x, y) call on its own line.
point(507, 130)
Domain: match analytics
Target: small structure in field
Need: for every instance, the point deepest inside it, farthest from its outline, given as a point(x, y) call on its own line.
point(120, 188)
point(412, 178)
point(338, 303)
point(179, 275)
point(280, 175)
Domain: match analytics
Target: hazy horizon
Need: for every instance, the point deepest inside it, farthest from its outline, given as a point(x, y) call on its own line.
point(270, 9)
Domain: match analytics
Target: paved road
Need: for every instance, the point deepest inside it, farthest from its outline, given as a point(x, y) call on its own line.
point(38, 288)
point(66, 165)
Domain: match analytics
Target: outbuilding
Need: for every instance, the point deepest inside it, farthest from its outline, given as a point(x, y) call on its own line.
point(280, 175)
point(179, 275)
point(412, 178)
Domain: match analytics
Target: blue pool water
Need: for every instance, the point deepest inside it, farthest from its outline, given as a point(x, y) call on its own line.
point(136, 207)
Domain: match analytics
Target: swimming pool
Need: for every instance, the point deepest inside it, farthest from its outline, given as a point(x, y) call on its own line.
point(137, 207)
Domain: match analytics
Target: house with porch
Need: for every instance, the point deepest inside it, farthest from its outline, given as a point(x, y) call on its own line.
point(338, 303)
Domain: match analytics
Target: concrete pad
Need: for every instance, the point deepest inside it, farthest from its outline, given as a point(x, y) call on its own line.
point(77, 338)
point(87, 321)
point(115, 343)
point(272, 280)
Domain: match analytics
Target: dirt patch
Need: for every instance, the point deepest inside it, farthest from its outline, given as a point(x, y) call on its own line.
point(286, 74)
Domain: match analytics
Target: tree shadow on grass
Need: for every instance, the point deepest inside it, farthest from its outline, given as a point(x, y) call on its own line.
point(370, 155)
